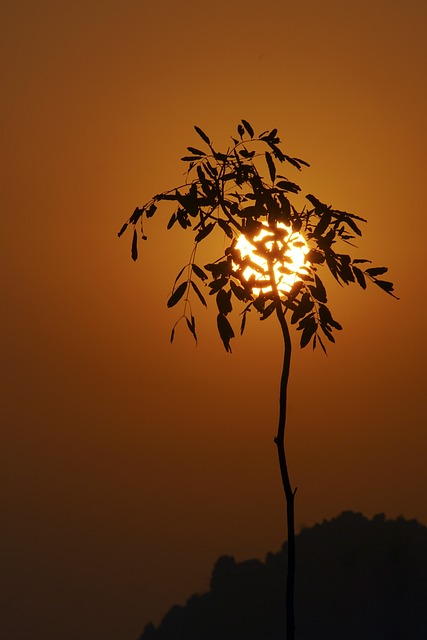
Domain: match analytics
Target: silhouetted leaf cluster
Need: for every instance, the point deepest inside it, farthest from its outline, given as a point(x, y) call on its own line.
point(237, 191)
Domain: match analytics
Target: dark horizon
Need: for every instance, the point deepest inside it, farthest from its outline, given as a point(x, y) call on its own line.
point(355, 578)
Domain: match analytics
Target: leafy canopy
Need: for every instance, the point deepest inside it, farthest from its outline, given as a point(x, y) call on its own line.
point(240, 191)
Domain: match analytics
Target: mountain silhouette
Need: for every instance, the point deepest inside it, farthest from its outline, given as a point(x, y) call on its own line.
point(357, 579)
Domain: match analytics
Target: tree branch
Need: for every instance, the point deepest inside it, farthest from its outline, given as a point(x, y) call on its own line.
point(289, 493)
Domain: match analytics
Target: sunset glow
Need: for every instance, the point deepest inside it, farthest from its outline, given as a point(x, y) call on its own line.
point(130, 464)
point(285, 249)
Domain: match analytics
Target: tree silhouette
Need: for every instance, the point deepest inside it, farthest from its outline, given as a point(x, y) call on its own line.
point(271, 264)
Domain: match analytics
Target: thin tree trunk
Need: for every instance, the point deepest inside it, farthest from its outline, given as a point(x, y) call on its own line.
point(289, 493)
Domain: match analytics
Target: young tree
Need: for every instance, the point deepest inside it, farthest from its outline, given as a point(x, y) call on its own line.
point(271, 265)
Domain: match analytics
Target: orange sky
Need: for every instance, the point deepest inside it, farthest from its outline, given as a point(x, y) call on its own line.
point(127, 465)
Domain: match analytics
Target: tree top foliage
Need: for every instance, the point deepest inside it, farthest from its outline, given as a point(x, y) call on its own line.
point(244, 190)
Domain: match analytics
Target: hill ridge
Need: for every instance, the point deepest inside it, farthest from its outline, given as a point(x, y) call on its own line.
point(357, 578)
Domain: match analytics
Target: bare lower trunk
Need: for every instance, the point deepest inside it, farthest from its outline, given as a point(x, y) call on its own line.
point(289, 493)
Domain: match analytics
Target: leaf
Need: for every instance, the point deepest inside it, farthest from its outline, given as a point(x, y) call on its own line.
point(225, 331)
point(336, 325)
point(196, 152)
point(134, 251)
point(247, 154)
point(271, 166)
point(172, 221)
point(328, 333)
point(199, 293)
point(359, 277)
point(203, 180)
point(231, 175)
point(226, 228)
point(321, 291)
point(307, 321)
point(325, 314)
point(241, 130)
point(318, 290)
point(294, 162)
point(182, 217)
point(308, 333)
point(315, 257)
point(386, 286)
point(172, 334)
point(252, 211)
point(325, 242)
point(319, 206)
point(243, 325)
point(322, 345)
point(248, 127)
point(179, 275)
point(306, 164)
point(259, 303)
point(323, 224)
point(151, 211)
point(216, 285)
point(278, 153)
point(353, 226)
point(199, 272)
point(177, 294)
point(327, 319)
point(331, 261)
point(213, 171)
point(376, 271)
point(123, 229)
point(239, 292)
point(268, 310)
point(203, 135)
point(285, 209)
point(202, 233)
point(296, 288)
point(344, 268)
point(136, 215)
point(223, 301)
point(191, 324)
point(286, 185)
point(304, 307)
point(188, 201)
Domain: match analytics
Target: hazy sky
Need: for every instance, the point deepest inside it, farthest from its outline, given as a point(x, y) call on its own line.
point(127, 464)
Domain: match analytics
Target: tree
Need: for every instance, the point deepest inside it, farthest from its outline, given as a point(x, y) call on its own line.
point(271, 264)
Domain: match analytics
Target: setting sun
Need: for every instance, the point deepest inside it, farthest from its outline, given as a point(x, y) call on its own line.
point(279, 246)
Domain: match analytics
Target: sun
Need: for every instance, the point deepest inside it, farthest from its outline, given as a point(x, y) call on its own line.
point(279, 246)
